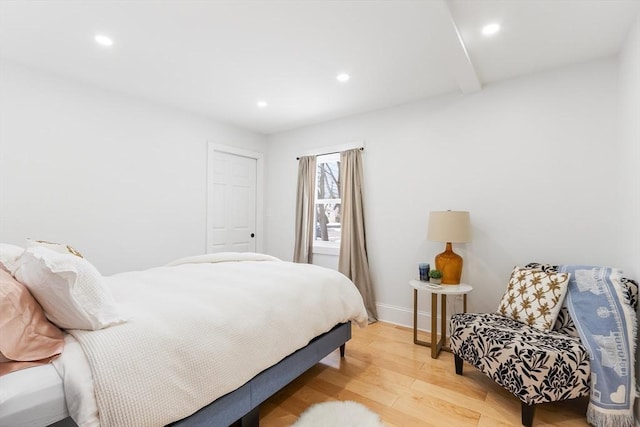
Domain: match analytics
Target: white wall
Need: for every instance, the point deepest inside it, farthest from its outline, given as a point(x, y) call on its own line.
point(629, 198)
point(629, 185)
point(532, 159)
point(121, 179)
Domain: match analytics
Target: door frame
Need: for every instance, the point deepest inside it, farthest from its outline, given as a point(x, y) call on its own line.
point(212, 149)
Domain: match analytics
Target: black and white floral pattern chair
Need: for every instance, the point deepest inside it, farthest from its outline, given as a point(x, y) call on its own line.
point(535, 366)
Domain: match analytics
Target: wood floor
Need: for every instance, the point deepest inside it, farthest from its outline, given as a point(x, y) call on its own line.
point(400, 381)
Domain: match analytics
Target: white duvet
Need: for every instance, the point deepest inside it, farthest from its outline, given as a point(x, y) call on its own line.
point(199, 329)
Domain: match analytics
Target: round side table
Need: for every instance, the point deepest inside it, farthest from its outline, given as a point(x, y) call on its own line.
point(436, 344)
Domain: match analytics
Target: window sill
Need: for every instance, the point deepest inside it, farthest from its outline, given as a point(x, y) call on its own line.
point(325, 249)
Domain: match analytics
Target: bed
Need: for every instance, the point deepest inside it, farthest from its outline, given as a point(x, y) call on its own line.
point(205, 341)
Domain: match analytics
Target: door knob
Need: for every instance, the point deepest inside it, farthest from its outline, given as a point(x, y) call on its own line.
point(253, 235)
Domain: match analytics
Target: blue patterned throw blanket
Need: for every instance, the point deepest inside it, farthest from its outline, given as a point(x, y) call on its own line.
point(606, 324)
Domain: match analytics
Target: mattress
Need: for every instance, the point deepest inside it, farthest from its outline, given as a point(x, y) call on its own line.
point(32, 397)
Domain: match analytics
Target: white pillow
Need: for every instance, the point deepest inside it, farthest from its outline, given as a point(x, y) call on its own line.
point(69, 289)
point(56, 247)
point(534, 297)
point(9, 254)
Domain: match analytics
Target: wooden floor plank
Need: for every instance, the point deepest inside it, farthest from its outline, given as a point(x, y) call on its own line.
point(399, 380)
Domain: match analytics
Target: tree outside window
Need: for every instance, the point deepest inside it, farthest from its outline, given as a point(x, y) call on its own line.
point(328, 202)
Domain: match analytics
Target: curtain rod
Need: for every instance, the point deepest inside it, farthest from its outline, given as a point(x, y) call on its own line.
point(335, 152)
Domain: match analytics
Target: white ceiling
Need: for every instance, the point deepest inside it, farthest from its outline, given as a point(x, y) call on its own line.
point(218, 58)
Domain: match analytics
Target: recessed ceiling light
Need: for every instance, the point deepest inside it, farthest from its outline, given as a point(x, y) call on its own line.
point(343, 77)
point(103, 40)
point(262, 104)
point(490, 29)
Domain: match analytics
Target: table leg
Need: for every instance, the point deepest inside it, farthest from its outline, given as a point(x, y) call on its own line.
point(443, 322)
point(434, 326)
point(415, 316)
point(438, 343)
point(415, 321)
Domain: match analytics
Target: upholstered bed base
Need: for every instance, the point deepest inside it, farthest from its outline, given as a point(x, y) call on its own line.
point(243, 404)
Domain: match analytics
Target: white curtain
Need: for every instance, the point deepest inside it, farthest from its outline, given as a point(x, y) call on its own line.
point(353, 261)
point(305, 206)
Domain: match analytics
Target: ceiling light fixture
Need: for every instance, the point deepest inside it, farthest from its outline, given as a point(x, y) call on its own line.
point(262, 104)
point(103, 40)
point(343, 77)
point(490, 29)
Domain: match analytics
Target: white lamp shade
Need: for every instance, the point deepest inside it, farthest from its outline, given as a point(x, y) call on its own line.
point(449, 226)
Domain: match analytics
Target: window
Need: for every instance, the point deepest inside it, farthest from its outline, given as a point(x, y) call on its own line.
point(327, 203)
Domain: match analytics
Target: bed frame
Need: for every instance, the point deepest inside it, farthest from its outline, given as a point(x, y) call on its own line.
point(241, 407)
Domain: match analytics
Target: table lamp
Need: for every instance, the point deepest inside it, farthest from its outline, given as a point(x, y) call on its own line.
point(449, 227)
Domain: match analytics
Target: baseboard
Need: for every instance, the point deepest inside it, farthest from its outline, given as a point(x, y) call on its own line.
point(403, 316)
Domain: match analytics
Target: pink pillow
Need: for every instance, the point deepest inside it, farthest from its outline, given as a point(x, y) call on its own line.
point(28, 338)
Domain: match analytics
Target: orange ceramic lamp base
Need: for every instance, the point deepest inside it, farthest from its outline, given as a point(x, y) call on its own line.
point(450, 263)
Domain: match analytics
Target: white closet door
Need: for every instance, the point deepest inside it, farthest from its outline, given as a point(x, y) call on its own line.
point(232, 204)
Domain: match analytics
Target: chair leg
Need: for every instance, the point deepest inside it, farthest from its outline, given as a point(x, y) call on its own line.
point(458, 361)
point(527, 414)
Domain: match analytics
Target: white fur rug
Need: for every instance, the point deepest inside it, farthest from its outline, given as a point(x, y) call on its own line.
point(338, 414)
